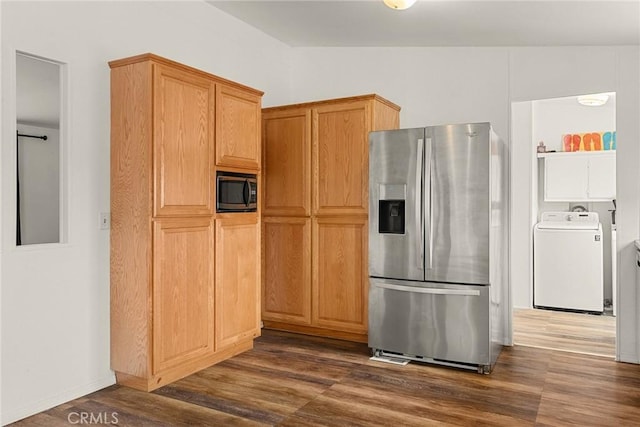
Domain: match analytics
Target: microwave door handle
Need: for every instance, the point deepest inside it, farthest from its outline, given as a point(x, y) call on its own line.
point(246, 193)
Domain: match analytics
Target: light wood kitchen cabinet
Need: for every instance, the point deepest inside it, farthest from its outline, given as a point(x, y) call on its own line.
point(165, 321)
point(340, 158)
point(580, 176)
point(287, 162)
point(315, 164)
point(286, 294)
point(183, 142)
point(340, 279)
point(183, 287)
point(237, 128)
point(237, 278)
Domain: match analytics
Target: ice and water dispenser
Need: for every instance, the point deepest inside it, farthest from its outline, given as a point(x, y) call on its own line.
point(391, 209)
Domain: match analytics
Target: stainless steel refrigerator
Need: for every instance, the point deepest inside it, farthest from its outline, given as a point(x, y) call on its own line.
point(438, 244)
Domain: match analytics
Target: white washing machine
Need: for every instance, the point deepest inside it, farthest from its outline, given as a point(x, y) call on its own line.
point(567, 260)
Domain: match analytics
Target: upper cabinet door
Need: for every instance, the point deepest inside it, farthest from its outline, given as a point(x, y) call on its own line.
point(183, 138)
point(340, 158)
point(237, 128)
point(286, 139)
point(580, 177)
point(566, 178)
point(602, 176)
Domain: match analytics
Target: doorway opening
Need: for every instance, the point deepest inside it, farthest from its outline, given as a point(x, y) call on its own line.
point(564, 274)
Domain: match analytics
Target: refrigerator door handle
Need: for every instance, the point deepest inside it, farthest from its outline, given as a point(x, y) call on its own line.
point(429, 194)
point(419, 215)
point(434, 291)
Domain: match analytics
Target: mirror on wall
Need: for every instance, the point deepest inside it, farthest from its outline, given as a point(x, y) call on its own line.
point(38, 154)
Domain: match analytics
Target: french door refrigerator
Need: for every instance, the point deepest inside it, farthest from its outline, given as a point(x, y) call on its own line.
point(438, 244)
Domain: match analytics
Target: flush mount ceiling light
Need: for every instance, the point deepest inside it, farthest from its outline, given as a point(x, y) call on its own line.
point(594, 100)
point(399, 4)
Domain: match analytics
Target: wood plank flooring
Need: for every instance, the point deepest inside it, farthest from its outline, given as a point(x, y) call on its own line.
point(296, 380)
point(559, 330)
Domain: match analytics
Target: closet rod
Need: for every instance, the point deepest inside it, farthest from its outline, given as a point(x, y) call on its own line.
point(43, 137)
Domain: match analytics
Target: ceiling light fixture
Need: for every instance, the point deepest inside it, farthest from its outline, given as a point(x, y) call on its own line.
point(399, 4)
point(594, 100)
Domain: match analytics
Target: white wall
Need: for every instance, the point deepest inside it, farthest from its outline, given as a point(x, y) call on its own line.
point(628, 193)
point(432, 85)
point(449, 85)
point(521, 190)
point(55, 298)
point(2, 123)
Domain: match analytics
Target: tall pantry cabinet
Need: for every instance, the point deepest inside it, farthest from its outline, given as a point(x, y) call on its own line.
point(184, 280)
point(315, 214)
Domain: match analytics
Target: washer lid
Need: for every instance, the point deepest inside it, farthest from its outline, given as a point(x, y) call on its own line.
point(569, 221)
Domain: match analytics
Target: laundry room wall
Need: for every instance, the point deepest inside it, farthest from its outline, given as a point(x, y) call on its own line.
point(552, 118)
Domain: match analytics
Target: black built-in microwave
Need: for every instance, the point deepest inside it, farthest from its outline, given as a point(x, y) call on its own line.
point(237, 192)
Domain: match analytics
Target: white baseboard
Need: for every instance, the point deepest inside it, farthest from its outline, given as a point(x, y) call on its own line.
point(10, 415)
point(629, 358)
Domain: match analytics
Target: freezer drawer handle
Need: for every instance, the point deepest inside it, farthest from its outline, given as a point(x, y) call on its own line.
point(435, 291)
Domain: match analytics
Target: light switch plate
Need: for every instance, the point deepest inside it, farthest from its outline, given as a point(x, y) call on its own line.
point(105, 220)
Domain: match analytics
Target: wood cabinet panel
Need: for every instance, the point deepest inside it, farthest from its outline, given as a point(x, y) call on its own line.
point(183, 321)
point(163, 320)
point(237, 128)
point(336, 254)
point(183, 142)
point(237, 278)
point(286, 139)
point(286, 290)
point(340, 273)
point(385, 116)
point(131, 208)
point(340, 158)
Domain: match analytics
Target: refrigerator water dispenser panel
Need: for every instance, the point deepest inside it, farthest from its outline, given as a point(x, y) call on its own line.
point(391, 211)
point(391, 218)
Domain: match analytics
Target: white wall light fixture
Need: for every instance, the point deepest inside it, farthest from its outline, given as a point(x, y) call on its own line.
point(399, 4)
point(595, 100)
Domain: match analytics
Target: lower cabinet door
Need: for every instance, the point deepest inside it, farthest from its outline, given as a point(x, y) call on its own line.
point(286, 287)
point(183, 322)
point(340, 273)
point(237, 278)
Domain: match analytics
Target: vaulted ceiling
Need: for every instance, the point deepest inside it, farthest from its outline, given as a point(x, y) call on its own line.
point(442, 22)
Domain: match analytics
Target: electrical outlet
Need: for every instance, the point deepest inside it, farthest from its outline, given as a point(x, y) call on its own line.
point(105, 220)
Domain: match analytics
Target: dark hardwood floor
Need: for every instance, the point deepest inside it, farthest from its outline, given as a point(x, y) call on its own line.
point(296, 380)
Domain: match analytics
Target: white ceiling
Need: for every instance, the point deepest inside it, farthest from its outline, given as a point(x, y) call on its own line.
point(442, 22)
